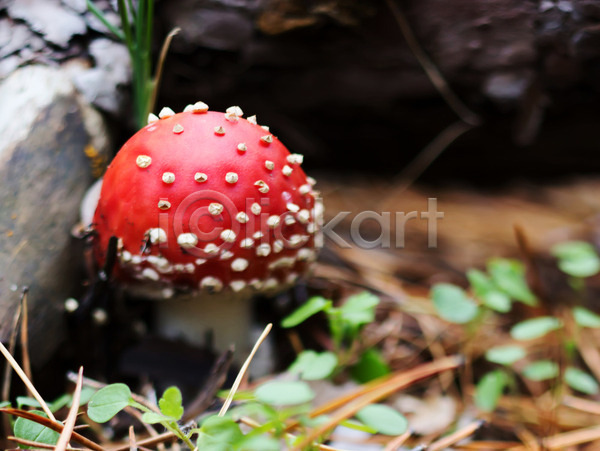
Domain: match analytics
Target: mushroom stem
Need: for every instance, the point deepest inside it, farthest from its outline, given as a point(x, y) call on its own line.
point(228, 316)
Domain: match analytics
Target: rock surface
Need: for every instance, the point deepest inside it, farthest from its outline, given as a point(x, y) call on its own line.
point(47, 133)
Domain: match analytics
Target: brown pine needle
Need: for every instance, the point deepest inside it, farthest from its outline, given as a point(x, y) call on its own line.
point(455, 437)
point(7, 369)
point(243, 369)
point(26, 381)
point(146, 442)
point(572, 438)
point(585, 405)
point(54, 425)
point(132, 442)
point(25, 335)
point(398, 441)
point(373, 393)
point(65, 435)
point(36, 445)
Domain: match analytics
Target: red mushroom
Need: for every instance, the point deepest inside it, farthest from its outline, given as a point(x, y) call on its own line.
point(206, 202)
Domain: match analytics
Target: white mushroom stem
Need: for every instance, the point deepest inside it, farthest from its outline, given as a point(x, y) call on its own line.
point(227, 315)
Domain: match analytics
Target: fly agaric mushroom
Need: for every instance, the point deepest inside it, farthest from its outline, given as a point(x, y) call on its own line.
point(212, 205)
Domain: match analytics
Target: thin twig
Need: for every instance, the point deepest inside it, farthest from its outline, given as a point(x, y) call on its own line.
point(26, 361)
point(572, 438)
point(397, 442)
point(36, 445)
point(132, 441)
point(54, 425)
point(159, 66)
point(146, 442)
point(433, 73)
point(243, 369)
point(65, 435)
point(26, 381)
point(373, 393)
point(12, 343)
point(429, 154)
point(455, 437)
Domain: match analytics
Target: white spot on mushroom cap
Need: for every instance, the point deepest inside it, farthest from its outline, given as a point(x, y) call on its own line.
point(143, 161)
point(152, 118)
point(287, 171)
point(303, 216)
point(305, 189)
point(255, 208)
point(231, 117)
point(256, 284)
point(164, 204)
point(242, 147)
point(231, 177)
point(295, 158)
point(237, 285)
point(257, 235)
point(160, 263)
point(263, 250)
point(239, 264)
point(226, 255)
point(277, 246)
point(136, 259)
point(156, 235)
point(200, 261)
point(211, 248)
point(311, 181)
point(311, 227)
point(273, 221)
point(215, 208)
point(265, 127)
point(177, 129)
point(252, 120)
point(296, 240)
point(281, 263)
point(289, 220)
point(269, 165)
point(219, 130)
point(270, 284)
point(149, 273)
point(126, 256)
point(235, 110)
point(200, 107)
point(292, 207)
point(306, 254)
point(168, 177)
point(166, 112)
point(211, 283)
point(188, 108)
point(247, 243)
point(228, 236)
point(291, 277)
point(242, 217)
point(267, 139)
point(262, 186)
point(200, 177)
point(187, 240)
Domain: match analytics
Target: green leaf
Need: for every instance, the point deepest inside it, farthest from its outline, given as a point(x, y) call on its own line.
point(509, 276)
point(383, 419)
point(108, 401)
point(581, 381)
point(284, 393)
point(30, 430)
point(486, 290)
point(314, 366)
point(313, 306)
point(541, 370)
point(577, 258)
point(535, 327)
point(359, 309)
point(371, 365)
point(171, 403)
point(154, 418)
point(452, 303)
point(26, 401)
point(4, 404)
point(217, 430)
point(586, 318)
point(505, 355)
point(259, 443)
point(489, 390)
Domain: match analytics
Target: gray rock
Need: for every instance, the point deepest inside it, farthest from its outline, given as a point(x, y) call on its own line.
point(45, 128)
point(112, 69)
point(49, 18)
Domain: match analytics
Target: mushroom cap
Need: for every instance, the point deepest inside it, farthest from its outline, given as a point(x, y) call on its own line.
point(207, 201)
